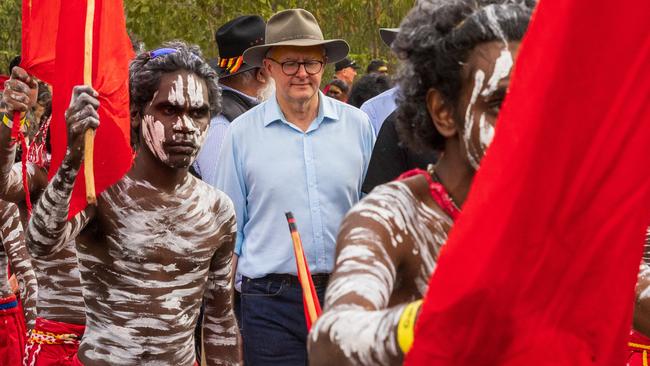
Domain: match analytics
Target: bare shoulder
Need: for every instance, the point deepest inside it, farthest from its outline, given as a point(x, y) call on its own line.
point(219, 202)
point(403, 195)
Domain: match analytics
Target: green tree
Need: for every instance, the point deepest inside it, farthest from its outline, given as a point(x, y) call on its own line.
point(9, 32)
point(195, 21)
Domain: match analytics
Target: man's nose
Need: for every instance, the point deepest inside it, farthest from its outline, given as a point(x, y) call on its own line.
point(302, 71)
point(185, 124)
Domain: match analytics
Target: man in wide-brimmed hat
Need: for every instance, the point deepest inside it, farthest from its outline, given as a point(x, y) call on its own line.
point(299, 151)
point(243, 85)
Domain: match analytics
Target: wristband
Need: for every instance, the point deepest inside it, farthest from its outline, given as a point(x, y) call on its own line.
point(406, 326)
point(10, 123)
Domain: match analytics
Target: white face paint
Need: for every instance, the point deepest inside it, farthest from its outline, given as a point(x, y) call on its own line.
point(154, 136)
point(194, 91)
point(176, 95)
point(502, 67)
point(472, 154)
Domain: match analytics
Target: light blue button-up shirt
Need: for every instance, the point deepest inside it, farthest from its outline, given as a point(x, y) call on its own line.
point(206, 161)
point(269, 166)
point(379, 108)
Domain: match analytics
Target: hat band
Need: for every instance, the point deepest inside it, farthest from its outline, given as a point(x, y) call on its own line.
point(231, 64)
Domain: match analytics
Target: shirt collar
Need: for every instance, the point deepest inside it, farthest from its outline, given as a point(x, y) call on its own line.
point(252, 99)
point(326, 111)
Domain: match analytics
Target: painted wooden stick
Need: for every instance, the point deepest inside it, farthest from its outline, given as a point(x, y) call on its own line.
point(309, 296)
point(89, 136)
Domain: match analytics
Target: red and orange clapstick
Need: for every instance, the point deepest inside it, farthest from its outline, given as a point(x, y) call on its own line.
point(309, 296)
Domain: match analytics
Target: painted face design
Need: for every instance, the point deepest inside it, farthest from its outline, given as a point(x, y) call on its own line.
point(175, 122)
point(487, 93)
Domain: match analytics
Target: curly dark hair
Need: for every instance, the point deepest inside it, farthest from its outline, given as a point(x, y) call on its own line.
point(145, 73)
point(368, 86)
point(436, 37)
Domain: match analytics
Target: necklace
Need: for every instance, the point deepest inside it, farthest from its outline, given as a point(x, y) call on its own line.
point(437, 191)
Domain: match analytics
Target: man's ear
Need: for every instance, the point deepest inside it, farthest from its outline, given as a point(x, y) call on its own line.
point(442, 115)
point(261, 75)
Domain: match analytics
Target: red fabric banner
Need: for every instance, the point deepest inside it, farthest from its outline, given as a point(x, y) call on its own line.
point(112, 52)
point(541, 266)
point(40, 25)
point(3, 78)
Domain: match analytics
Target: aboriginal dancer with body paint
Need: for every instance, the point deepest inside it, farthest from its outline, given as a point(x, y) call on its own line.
point(457, 58)
point(159, 241)
point(59, 304)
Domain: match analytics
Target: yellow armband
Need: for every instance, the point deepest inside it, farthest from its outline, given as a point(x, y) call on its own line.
point(406, 326)
point(10, 123)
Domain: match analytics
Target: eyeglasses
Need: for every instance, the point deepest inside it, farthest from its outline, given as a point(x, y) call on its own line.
point(290, 68)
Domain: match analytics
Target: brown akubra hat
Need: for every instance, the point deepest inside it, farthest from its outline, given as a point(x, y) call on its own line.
point(295, 27)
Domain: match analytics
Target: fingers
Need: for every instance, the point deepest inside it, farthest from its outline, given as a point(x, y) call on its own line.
point(18, 73)
point(80, 90)
point(83, 97)
point(78, 128)
point(17, 95)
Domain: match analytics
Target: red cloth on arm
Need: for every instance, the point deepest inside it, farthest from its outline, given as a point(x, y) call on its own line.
point(541, 265)
point(112, 52)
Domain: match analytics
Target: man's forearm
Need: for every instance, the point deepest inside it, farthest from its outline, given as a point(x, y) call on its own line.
point(13, 242)
point(48, 228)
point(9, 180)
point(352, 335)
point(221, 340)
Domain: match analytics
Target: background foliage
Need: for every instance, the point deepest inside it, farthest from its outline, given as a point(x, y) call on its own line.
point(195, 21)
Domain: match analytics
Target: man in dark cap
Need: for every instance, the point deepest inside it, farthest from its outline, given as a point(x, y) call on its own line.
point(243, 86)
point(377, 67)
point(346, 70)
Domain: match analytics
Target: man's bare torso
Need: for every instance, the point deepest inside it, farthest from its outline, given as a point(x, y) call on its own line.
point(144, 273)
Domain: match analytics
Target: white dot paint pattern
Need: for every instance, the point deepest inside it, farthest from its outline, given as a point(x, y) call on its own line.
point(391, 217)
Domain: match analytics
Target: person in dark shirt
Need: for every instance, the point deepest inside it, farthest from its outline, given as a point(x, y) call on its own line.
point(390, 157)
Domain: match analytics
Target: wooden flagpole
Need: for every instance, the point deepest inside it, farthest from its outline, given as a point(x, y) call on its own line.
point(89, 136)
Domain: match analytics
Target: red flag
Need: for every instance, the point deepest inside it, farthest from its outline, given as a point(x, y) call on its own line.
point(541, 266)
point(309, 296)
point(3, 78)
point(40, 25)
point(111, 53)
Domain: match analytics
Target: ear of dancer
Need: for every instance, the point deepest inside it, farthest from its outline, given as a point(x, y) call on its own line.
point(49, 228)
point(14, 253)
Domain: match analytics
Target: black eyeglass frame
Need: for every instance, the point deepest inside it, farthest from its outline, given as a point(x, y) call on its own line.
point(300, 63)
